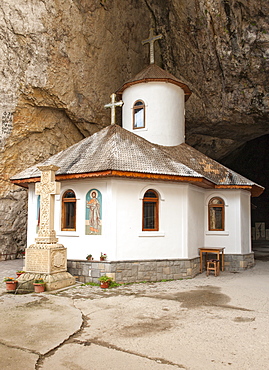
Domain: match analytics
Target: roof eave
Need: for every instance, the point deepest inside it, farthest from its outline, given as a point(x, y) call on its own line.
point(184, 87)
point(200, 181)
point(255, 190)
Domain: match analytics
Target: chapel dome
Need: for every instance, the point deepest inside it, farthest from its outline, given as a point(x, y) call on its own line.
point(153, 73)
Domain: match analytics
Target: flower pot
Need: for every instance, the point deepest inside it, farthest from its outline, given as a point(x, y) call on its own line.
point(19, 273)
point(102, 258)
point(39, 288)
point(89, 258)
point(11, 285)
point(104, 284)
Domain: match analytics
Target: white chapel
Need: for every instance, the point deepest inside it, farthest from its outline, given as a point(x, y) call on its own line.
point(141, 195)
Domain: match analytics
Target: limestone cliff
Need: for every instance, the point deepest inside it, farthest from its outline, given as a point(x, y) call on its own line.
point(221, 49)
point(61, 59)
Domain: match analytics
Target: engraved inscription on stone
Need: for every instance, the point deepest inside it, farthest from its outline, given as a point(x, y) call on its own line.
point(6, 123)
point(58, 259)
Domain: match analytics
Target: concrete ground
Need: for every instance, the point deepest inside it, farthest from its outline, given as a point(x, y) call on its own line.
point(202, 323)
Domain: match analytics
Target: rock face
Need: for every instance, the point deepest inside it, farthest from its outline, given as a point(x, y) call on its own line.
point(221, 50)
point(61, 60)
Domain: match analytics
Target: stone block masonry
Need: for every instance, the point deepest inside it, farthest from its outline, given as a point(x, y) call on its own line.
point(238, 262)
point(133, 271)
point(153, 270)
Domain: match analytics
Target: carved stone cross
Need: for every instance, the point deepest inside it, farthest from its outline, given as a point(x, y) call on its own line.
point(113, 106)
point(151, 41)
point(47, 189)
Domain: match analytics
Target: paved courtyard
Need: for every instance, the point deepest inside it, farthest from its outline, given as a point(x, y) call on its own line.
point(197, 324)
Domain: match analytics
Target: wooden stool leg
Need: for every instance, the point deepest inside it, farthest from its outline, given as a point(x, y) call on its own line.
point(218, 268)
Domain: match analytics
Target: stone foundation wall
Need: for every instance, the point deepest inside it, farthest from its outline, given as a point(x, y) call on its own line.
point(238, 262)
point(133, 271)
point(156, 270)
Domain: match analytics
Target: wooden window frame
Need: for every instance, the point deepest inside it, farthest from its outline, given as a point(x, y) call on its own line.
point(222, 206)
point(156, 210)
point(68, 200)
point(142, 106)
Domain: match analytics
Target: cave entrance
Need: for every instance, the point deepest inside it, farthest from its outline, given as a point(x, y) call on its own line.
point(252, 161)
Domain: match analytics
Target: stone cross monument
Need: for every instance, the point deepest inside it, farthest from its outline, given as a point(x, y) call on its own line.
point(151, 41)
point(46, 259)
point(47, 189)
point(113, 106)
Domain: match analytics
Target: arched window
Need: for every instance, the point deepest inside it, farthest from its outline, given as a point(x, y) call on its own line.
point(216, 214)
point(69, 211)
point(150, 211)
point(139, 114)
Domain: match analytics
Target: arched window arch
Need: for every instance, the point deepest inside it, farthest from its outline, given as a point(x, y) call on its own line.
point(150, 211)
point(139, 114)
point(216, 214)
point(69, 210)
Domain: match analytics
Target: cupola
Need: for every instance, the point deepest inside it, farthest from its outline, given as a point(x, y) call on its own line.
point(154, 104)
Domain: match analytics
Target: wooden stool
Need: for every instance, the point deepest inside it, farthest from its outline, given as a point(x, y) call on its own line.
point(213, 265)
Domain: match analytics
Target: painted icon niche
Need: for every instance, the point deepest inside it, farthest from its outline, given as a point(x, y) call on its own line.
point(93, 219)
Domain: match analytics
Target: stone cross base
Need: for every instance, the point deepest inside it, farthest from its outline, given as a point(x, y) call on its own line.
point(47, 262)
point(53, 281)
point(46, 259)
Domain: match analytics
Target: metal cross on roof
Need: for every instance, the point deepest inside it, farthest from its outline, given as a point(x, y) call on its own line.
point(113, 106)
point(151, 41)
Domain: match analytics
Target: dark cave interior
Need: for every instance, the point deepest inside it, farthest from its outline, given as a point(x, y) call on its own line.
point(251, 161)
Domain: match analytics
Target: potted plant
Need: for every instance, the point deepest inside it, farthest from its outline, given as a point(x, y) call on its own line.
point(19, 273)
point(39, 286)
point(103, 257)
point(89, 257)
point(11, 283)
point(105, 281)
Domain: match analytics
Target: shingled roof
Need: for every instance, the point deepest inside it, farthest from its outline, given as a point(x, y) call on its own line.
point(115, 151)
point(154, 73)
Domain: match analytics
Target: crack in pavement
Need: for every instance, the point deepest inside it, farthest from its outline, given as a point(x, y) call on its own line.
point(20, 348)
point(104, 344)
point(51, 352)
point(73, 338)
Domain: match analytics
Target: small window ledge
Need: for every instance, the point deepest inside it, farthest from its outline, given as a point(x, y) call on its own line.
point(152, 233)
point(67, 233)
point(140, 129)
point(219, 233)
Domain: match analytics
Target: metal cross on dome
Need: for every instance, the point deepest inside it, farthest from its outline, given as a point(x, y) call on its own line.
point(151, 41)
point(113, 106)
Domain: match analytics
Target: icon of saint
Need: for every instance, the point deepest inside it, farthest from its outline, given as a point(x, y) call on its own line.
point(94, 220)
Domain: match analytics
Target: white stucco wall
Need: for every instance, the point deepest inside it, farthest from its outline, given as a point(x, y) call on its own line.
point(236, 237)
point(245, 221)
point(122, 236)
point(164, 112)
point(170, 240)
point(183, 220)
point(77, 243)
point(32, 215)
point(195, 220)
